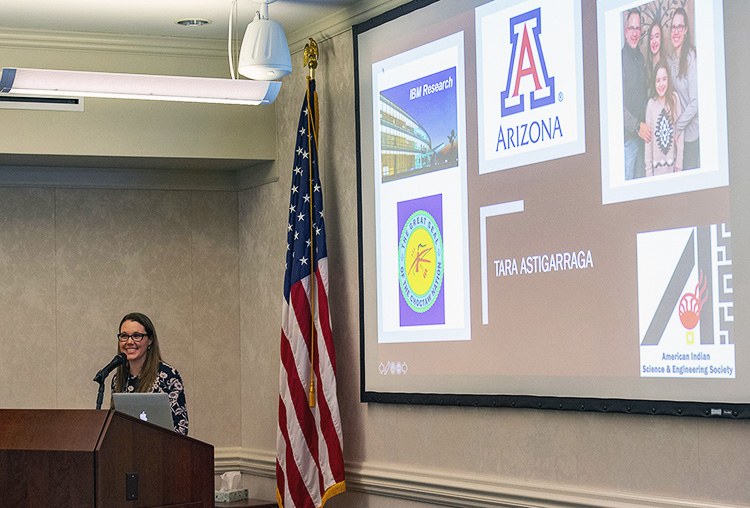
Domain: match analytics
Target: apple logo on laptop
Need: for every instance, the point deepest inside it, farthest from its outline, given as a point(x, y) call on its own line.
point(143, 416)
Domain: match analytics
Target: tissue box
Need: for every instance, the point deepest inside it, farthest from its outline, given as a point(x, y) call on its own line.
point(229, 496)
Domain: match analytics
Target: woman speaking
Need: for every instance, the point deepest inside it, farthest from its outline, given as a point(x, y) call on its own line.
point(144, 371)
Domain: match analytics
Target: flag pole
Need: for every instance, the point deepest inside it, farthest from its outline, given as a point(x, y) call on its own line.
point(309, 440)
point(310, 60)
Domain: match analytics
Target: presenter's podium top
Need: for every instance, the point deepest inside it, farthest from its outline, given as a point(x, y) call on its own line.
point(100, 459)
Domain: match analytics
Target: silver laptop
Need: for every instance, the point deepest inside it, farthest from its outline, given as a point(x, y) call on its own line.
point(150, 407)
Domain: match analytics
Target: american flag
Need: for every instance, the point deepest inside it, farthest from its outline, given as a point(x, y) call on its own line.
point(309, 441)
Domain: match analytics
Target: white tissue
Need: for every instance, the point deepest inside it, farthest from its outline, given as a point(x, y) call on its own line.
point(230, 481)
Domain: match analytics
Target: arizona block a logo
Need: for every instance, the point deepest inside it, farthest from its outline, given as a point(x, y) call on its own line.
point(529, 82)
point(528, 69)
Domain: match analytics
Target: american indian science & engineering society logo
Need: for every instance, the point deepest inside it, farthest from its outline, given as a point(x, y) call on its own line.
point(686, 302)
point(530, 82)
point(420, 261)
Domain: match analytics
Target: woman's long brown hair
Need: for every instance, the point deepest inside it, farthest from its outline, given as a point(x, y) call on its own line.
point(150, 367)
point(687, 44)
point(669, 96)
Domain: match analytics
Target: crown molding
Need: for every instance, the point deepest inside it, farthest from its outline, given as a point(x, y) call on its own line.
point(323, 29)
point(118, 178)
point(152, 173)
point(457, 489)
point(112, 43)
point(340, 22)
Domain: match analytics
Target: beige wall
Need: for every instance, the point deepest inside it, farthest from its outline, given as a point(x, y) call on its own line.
point(552, 457)
point(207, 266)
point(74, 261)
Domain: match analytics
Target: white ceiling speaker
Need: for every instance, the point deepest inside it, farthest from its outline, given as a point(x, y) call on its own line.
point(264, 54)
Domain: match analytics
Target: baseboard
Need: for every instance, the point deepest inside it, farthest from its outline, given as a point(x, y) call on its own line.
point(253, 462)
point(455, 488)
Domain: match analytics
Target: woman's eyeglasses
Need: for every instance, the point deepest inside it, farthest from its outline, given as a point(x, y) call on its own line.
point(137, 337)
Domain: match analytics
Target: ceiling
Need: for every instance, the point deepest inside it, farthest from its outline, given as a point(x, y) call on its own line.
point(144, 25)
point(157, 17)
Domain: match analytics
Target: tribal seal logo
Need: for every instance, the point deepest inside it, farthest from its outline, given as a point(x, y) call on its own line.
point(420, 261)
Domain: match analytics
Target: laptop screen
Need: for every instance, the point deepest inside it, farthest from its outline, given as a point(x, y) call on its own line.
point(150, 407)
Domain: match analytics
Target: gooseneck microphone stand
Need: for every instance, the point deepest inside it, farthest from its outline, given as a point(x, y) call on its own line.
point(100, 396)
point(101, 376)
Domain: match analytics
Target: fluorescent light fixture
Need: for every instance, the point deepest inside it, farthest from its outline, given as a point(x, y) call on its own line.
point(264, 54)
point(137, 86)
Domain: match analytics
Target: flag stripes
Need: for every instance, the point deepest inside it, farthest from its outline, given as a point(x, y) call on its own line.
point(309, 442)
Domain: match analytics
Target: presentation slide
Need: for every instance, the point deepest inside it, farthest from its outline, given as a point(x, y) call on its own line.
point(422, 232)
point(546, 203)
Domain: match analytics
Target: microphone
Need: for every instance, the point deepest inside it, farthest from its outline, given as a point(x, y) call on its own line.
point(116, 361)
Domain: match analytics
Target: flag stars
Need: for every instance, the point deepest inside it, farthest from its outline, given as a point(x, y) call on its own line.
point(303, 258)
point(292, 209)
point(301, 217)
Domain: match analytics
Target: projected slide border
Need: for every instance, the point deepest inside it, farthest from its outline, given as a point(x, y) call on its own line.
point(529, 82)
point(419, 178)
point(713, 170)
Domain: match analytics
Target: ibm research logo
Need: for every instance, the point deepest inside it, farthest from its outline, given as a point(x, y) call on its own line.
point(529, 82)
point(527, 63)
point(685, 302)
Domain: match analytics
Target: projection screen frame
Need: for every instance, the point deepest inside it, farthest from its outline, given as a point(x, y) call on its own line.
point(500, 400)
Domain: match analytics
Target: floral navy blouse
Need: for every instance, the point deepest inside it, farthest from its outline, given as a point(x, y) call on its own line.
point(168, 381)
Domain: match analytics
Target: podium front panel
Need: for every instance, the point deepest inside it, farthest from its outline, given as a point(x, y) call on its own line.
point(81, 458)
point(172, 469)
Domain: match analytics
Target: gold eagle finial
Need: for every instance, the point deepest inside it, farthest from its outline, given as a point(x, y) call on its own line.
point(310, 59)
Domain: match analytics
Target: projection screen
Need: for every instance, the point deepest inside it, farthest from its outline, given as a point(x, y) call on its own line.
point(552, 205)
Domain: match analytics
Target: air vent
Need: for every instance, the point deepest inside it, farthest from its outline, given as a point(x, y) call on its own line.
point(41, 103)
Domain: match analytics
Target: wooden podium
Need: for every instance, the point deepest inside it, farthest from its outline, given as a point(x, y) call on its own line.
point(99, 459)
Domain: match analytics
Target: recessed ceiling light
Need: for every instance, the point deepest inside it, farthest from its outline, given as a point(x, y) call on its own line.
point(193, 22)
